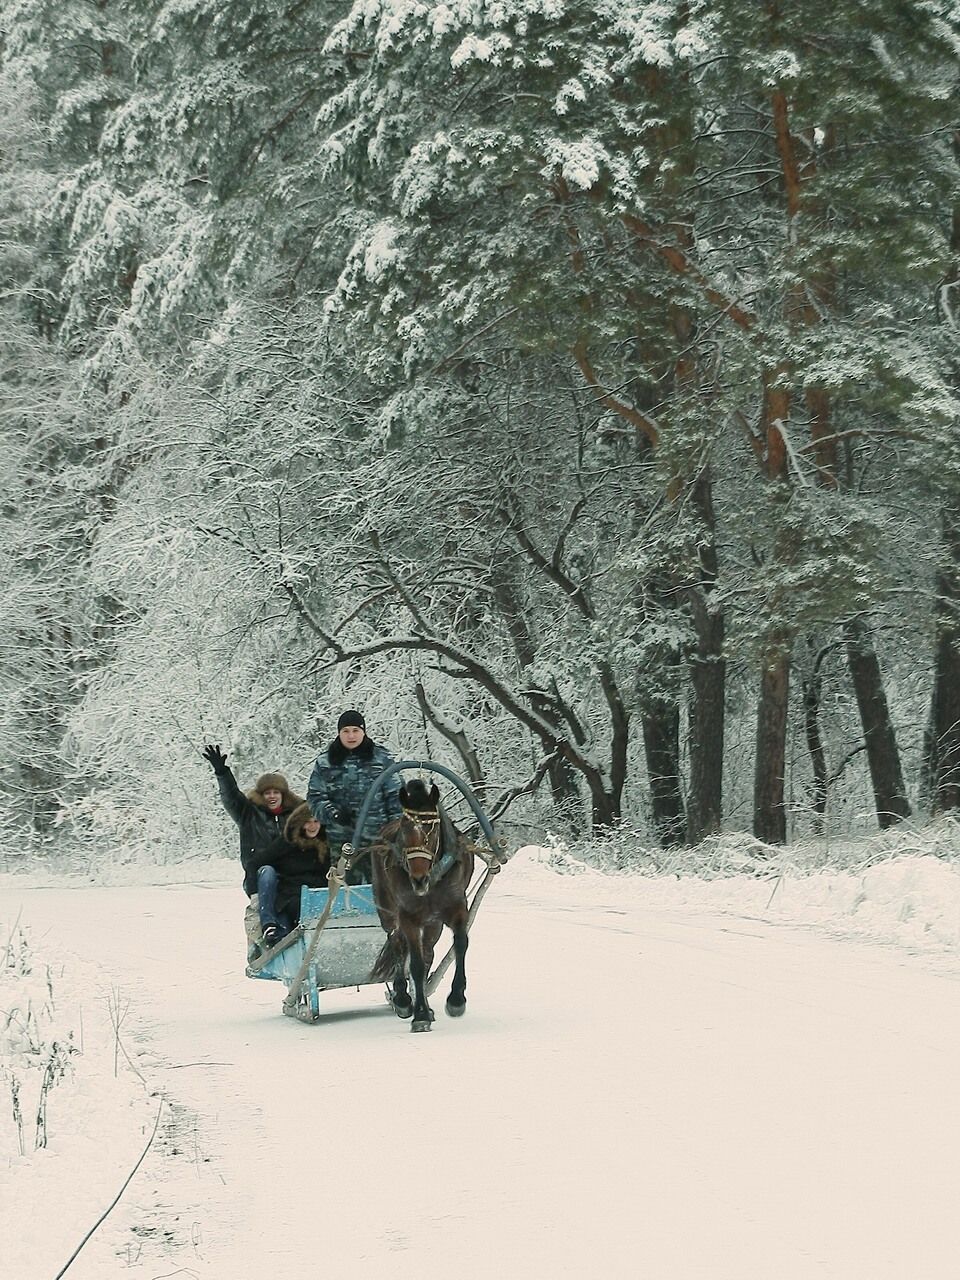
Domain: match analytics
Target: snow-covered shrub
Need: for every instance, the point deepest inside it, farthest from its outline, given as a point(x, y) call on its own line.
point(734, 853)
point(102, 828)
point(626, 848)
point(36, 1047)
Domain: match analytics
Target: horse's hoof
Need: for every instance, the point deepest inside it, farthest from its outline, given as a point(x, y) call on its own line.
point(403, 1010)
point(421, 1024)
point(455, 1010)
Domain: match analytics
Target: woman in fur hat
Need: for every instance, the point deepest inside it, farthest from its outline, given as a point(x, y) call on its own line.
point(341, 778)
point(261, 816)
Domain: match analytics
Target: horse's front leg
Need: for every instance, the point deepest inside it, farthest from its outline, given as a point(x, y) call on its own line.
point(456, 1004)
point(422, 1013)
point(431, 936)
point(400, 995)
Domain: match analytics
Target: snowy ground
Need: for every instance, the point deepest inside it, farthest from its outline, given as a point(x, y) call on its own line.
point(674, 1078)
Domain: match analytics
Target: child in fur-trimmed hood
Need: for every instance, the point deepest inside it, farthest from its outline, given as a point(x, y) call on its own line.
point(300, 857)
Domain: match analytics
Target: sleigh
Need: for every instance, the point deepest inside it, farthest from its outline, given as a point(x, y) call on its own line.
point(346, 947)
point(339, 937)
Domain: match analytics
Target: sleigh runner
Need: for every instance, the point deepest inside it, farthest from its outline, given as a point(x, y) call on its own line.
point(340, 938)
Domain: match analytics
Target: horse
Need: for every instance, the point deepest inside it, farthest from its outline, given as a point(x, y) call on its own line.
point(422, 869)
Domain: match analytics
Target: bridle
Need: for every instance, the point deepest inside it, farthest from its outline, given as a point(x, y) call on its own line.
point(427, 823)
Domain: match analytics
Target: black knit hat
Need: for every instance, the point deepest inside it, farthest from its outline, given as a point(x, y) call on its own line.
point(351, 718)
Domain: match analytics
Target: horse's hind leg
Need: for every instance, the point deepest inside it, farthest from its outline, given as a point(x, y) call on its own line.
point(457, 999)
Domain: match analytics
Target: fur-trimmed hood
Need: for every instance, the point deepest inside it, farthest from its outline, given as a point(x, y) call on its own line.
point(293, 832)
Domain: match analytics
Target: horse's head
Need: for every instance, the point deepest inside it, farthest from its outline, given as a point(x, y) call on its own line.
point(417, 844)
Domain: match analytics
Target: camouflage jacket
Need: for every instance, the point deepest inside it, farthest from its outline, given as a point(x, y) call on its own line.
point(338, 784)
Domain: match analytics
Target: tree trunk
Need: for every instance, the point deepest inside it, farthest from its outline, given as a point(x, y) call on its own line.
point(605, 808)
point(708, 676)
point(457, 737)
point(706, 713)
point(812, 686)
point(769, 809)
point(944, 741)
point(886, 773)
point(561, 775)
point(661, 740)
point(657, 699)
point(660, 721)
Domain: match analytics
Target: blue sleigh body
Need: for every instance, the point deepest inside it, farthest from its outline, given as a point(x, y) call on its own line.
point(349, 944)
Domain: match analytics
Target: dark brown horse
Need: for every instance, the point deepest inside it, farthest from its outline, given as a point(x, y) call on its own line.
point(420, 881)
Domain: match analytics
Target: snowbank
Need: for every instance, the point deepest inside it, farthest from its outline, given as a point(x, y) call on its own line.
point(898, 888)
point(191, 870)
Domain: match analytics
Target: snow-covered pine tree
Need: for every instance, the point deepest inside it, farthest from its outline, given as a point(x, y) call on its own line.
point(499, 156)
point(829, 121)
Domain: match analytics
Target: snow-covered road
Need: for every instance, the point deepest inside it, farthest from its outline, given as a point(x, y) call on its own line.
point(636, 1090)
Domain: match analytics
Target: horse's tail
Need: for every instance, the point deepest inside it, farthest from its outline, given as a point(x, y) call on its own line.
point(391, 957)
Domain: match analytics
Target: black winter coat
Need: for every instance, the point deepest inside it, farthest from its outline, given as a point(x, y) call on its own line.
point(260, 830)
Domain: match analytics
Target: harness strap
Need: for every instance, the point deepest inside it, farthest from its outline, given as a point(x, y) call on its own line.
point(441, 868)
point(494, 859)
point(424, 817)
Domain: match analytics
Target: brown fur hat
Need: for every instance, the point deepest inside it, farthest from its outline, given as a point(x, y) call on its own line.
point(294, 833)
point(268, 781)
point(290, 800)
